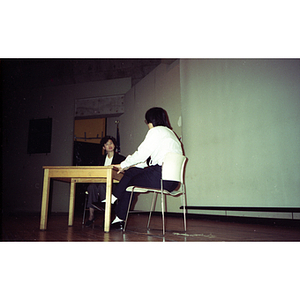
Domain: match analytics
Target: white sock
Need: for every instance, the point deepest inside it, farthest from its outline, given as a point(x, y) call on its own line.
point(113, 199)
point(116, 220)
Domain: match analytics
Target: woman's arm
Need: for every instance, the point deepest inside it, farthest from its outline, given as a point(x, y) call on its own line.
point(118, 166)
point(144, 150)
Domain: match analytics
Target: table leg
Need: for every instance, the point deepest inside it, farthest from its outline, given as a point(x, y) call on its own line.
point(108, 200)
point(45, 200)
point(72, 202)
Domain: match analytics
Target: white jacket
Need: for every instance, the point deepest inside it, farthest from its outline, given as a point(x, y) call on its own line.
point(158, 142)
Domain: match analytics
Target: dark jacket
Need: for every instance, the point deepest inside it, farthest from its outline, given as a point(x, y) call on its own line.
point(117, 159)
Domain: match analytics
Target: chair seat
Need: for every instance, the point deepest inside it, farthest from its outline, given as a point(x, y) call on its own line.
point(146, 190)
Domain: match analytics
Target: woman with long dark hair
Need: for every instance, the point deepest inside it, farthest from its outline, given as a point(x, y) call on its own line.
point(159, 140)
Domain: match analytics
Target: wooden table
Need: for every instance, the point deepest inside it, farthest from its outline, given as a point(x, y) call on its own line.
point(78, 174)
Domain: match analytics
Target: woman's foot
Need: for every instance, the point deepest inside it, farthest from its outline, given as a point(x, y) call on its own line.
point(89, 222)
point(117, 223)
point(113, 199)
point(117, 220)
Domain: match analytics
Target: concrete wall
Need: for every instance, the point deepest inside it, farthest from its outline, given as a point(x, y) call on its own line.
point(23, 173)
point(241, 132)
point(161, 88)
point(238, 120)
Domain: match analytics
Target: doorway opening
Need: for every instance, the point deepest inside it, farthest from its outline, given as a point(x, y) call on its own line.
point(87, 138)
point(86, 150)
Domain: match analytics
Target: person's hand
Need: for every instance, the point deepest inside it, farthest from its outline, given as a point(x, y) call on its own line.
point(119, 168)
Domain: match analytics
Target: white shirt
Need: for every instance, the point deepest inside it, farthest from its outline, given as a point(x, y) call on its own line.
point(108, 160)
point(158, 142)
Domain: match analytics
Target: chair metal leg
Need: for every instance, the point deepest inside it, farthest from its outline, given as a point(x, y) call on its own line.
point(184, 210)
point(153, 204)
point(163, 212)
point(162, 205)
point(125, 223)
point(84, 208)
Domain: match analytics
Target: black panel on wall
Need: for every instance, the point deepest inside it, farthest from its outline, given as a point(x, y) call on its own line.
point(39, 136)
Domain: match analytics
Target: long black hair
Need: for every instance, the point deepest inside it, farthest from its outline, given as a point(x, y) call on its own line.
point(158, 117)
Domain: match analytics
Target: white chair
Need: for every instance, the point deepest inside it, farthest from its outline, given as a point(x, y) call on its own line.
point(172, 169)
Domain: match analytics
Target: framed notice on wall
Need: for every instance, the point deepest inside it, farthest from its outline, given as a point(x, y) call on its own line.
point(39, 136)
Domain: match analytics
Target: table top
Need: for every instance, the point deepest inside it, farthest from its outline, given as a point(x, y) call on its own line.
point(80, 167)
point(85, 173)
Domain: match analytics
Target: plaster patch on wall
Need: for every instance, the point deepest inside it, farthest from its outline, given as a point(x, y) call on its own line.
point(100, 106)
point(179, 121)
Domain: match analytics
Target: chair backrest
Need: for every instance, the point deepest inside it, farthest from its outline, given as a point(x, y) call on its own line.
point(173, 167)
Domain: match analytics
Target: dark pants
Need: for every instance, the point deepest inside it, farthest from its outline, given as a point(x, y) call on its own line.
point(149, 178)
point(97, 192)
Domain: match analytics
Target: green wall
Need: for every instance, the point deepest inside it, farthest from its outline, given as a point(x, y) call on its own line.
point(241, 131)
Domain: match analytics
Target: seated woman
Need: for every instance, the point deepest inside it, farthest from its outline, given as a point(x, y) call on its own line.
point(159, 140)
point(98, 190)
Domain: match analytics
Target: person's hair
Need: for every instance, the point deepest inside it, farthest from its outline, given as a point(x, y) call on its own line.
point(158, 117)
point(106, 139)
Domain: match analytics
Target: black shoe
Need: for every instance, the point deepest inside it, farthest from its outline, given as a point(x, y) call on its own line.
point(117, 225)
point(88, 223)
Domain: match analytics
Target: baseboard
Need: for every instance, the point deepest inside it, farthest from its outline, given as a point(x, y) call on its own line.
point(234, 219)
